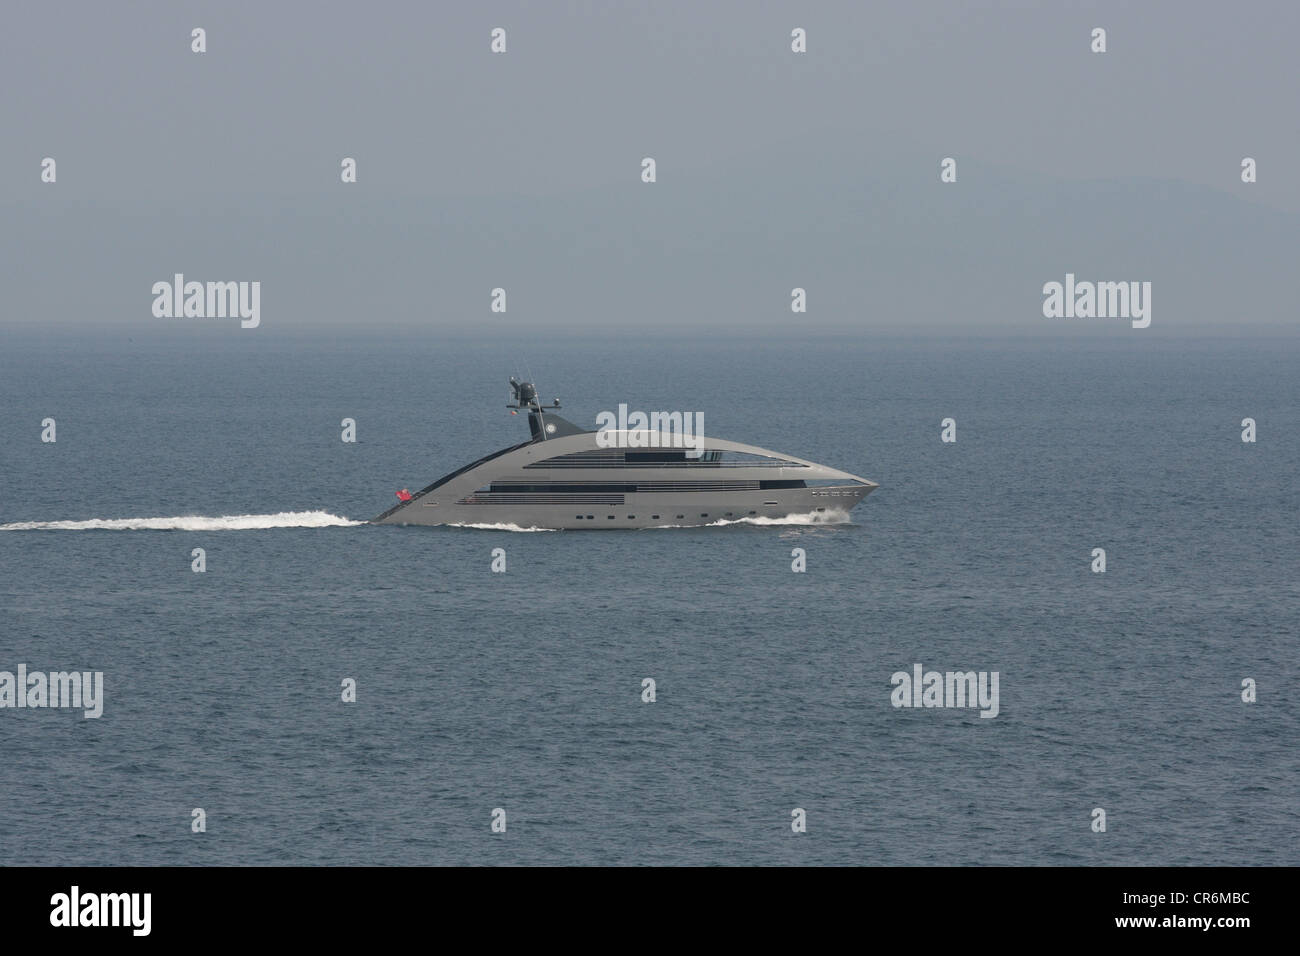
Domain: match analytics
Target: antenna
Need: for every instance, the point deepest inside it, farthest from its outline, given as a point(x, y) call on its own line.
point(525, 395)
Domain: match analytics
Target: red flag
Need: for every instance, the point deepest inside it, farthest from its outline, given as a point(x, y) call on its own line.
point(404, 495)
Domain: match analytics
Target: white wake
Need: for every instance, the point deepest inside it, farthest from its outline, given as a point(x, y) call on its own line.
point(497, 527)
point(814, 518)
point(284, 519)
point(800, 520)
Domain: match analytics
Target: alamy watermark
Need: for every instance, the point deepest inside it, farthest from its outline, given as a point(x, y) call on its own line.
point(208, 300)
point(1098, 300)
point(923, 688)
point(626, 429)
point(75, 908)
point(81, 689)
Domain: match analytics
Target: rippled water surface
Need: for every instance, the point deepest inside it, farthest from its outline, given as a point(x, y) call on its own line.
point(523, 690)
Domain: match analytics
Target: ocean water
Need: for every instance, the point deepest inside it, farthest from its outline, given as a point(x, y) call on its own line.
point(522, 690)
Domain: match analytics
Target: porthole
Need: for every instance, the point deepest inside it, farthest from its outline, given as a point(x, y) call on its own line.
point(654, 517)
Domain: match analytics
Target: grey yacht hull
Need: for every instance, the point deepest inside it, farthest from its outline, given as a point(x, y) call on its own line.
point(571, 482)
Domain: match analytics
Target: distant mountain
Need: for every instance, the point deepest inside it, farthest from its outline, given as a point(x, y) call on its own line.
point(877, 241)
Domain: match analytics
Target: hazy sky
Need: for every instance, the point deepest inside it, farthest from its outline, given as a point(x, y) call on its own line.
point(775, 169)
